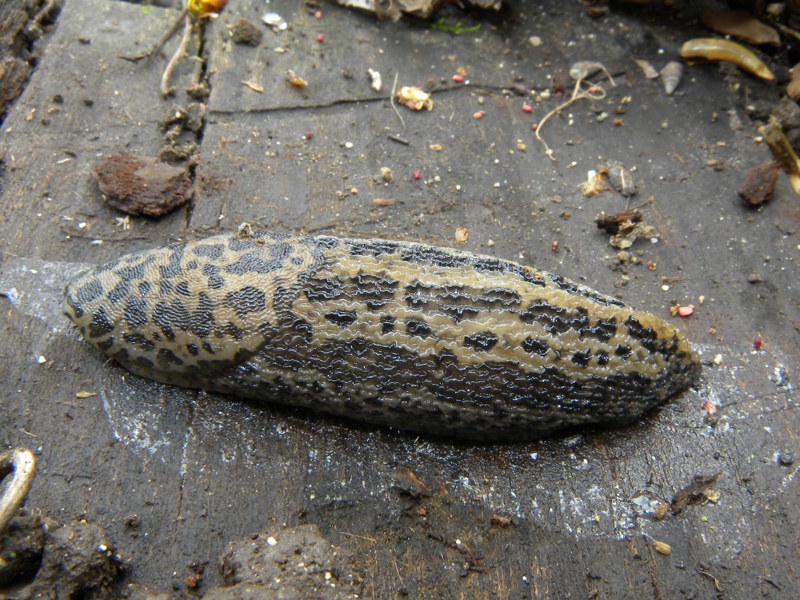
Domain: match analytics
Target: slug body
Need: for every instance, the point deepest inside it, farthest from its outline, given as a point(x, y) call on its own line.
point(416, 337)
point(715, 50)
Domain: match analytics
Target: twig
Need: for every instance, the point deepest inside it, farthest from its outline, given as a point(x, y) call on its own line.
point(176, 58)
point(164, 39)
point(391, 101)
point(595, 92)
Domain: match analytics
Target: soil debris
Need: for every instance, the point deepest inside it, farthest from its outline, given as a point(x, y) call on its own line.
point(246, 34)
point(296, 562)
point(694, 493)
point(759, 183)
point(141, 185)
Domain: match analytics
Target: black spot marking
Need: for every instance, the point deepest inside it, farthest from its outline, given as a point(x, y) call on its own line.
point(324, 290)
point(483, 341)
point(173, 268)
point(183, 289)
point(602, 358)
point(136, 312)
point(212, 251)
point(100, 325)
point(132, 272)
point(582, 358)
point(119, 292)
point(215, 280)
point(555, 319)
point(165, 287)
point(166, 358)
point(623, 350)
point(105, 345)
point(342, 318)
point(88, 292)
point(239, 244)
point(140, 341)
point(418, 328)
point(169, 316)
point(251, 262)
point(144, 289)
point(387, 324)
point(534, 346)
point(647, 336)
point(602, 329)
point(302, 327)
point(201, 321)
point(143, 361)
point(192, 349)
point(247, 300)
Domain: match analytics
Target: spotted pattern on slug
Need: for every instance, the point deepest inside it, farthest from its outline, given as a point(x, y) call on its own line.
point(394, 333)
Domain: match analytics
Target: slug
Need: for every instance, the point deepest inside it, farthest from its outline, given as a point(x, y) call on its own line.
point(715, 50)
point(407, 335)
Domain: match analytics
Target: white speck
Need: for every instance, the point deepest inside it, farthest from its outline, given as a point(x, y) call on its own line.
point(41, 360)
point(535, 41)
point(272, 541)
point(665, 287)
point(348, 145)
point(102, 548)
point(275, 21)
point(97, 242)
point(328, 575)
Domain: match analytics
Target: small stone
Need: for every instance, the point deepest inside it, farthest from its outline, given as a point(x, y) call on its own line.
point(785, 458)
point(755, 278)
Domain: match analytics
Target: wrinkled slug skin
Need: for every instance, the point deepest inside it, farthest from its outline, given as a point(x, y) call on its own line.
point(416, 337)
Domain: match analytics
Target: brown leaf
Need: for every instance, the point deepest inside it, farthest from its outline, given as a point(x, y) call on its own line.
point(742, 25)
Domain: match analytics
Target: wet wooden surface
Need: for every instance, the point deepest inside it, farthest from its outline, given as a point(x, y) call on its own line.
point(203, 470)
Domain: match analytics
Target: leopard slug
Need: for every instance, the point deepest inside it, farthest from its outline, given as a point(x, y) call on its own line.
point(417, 337)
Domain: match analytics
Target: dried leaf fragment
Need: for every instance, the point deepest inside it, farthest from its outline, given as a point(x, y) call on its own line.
point(384, 201)
point(620, 178)
point(594, 184)
point(84, 395)
point(253, 86)
point(742, 25)
point(462, 235)
point(295, 80)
